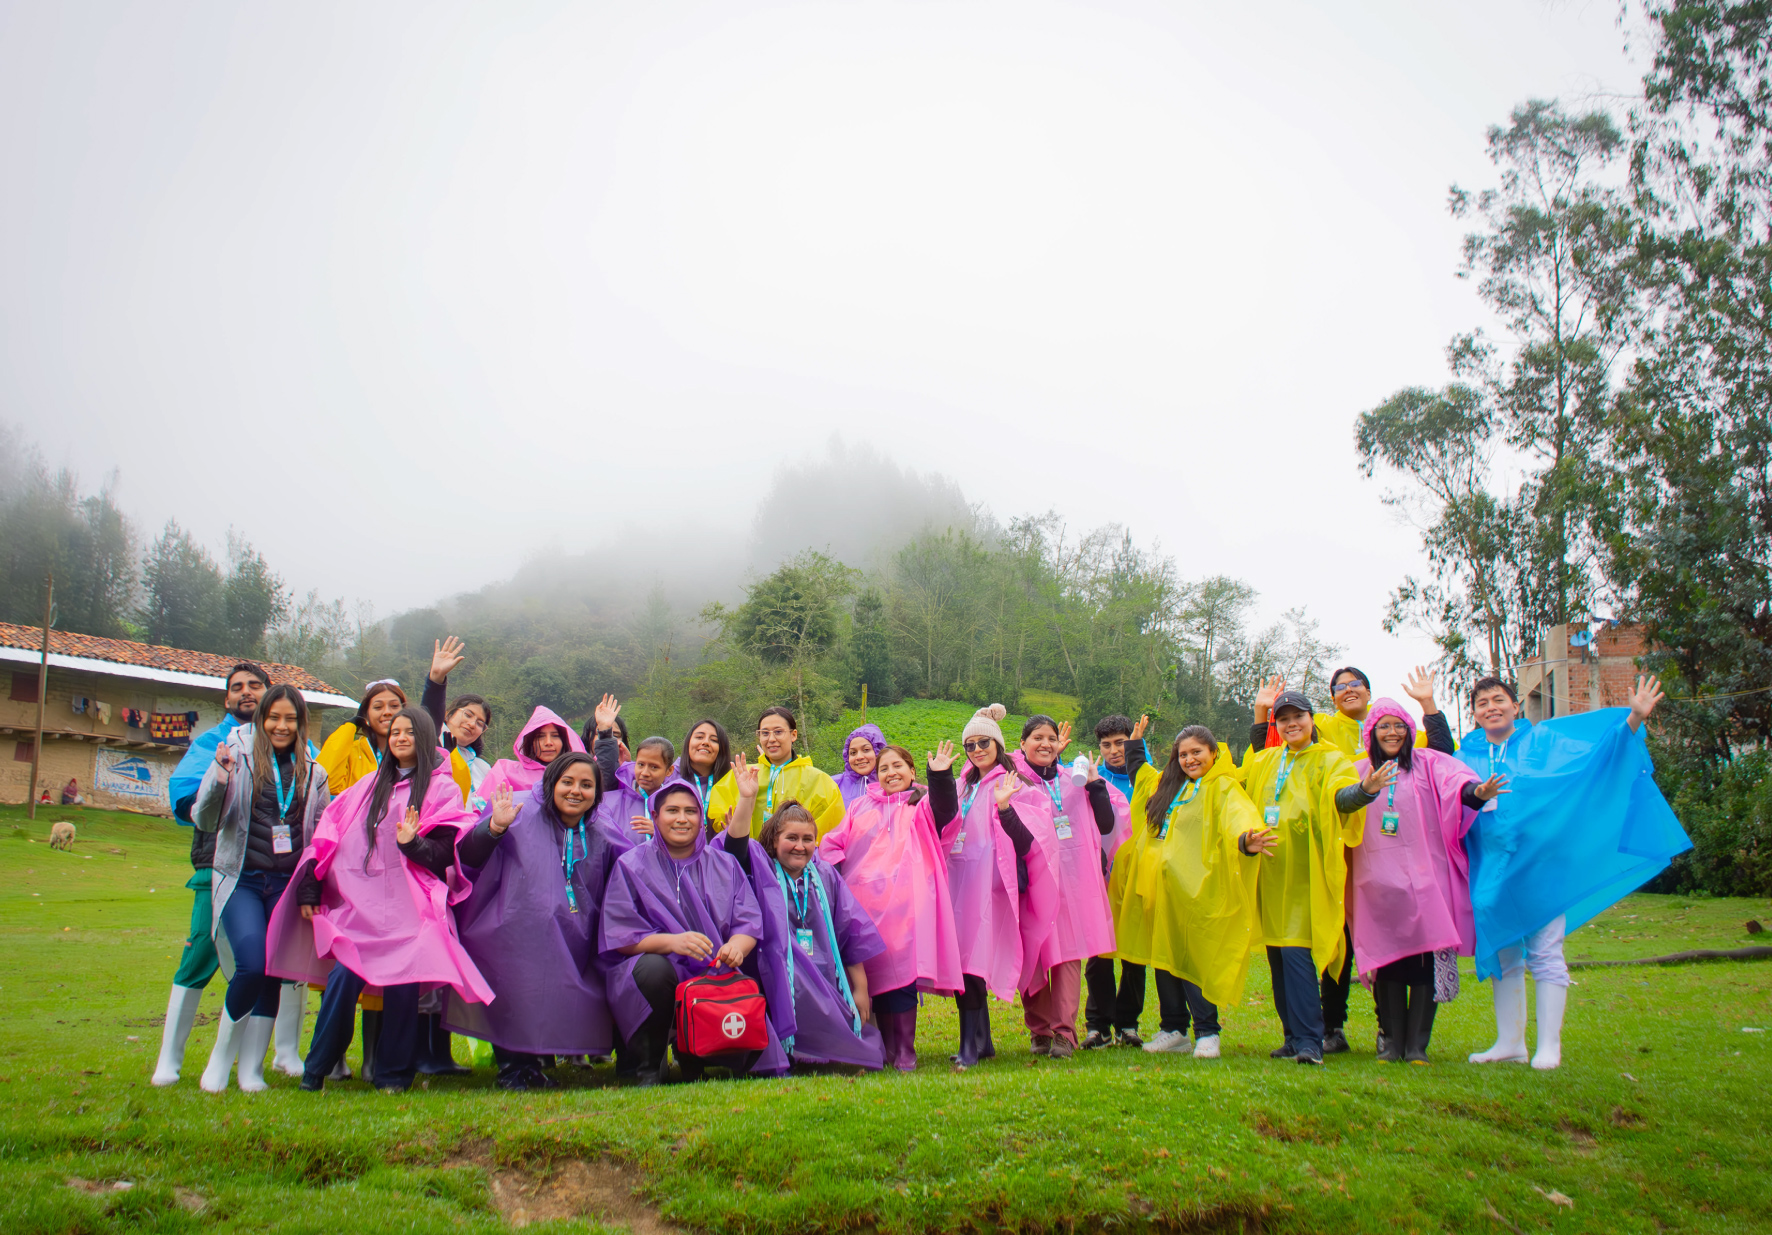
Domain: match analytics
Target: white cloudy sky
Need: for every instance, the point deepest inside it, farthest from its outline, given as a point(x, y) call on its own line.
point(475, 277)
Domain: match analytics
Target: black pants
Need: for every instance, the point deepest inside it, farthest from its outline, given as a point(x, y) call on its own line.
point(1179, 999)
point(510, 1060)
point(337, 1020)
point(1107, 1008)
point(1335, 988)
point(973, 998)
point(899, 1001)
point(1296, 997)
point(657, 979)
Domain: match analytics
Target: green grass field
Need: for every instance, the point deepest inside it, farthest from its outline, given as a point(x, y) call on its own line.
point(918, 724)
point(1657, 1122)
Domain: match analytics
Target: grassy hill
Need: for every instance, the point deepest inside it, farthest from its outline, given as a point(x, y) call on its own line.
point(918, 724)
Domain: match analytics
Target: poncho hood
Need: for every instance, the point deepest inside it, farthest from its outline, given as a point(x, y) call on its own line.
point(537, 719)
point(675, 784)
point(1380, 709)
point(850, 782)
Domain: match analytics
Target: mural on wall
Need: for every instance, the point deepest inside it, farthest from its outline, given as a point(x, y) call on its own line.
point(130, 775)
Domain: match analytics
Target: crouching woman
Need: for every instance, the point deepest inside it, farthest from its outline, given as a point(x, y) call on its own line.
point(373, 898)
point(677, 908)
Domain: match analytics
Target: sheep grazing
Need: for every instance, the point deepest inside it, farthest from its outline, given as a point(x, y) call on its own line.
point(61, 836)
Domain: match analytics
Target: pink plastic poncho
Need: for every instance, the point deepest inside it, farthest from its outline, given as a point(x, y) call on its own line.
point(389, 924)
point(1083, 925)
point(999, 926)
point(891, 858)
point(1410, 893)
point(523, 773)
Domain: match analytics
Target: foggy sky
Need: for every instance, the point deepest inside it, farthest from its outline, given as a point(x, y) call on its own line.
point(409, 292)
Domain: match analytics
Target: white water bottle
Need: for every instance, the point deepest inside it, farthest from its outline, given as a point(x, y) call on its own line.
point(1080, 770)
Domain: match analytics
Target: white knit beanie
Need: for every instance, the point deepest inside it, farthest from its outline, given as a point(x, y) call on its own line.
point(984, 724)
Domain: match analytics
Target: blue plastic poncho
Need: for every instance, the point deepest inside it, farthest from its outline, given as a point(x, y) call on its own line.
point(188, 775)
point(1582, 826)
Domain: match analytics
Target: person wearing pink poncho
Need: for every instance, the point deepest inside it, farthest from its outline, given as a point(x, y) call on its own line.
point(1000, 859)
point(545, 737)
point(1408, 894)
point(1089, 823)
point(373, 888)
point(888, 850)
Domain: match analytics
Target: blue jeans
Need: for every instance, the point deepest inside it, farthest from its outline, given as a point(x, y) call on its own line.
point(1180, 1001)
point(244, 919)
point(337, 1022)
point(1297, 997)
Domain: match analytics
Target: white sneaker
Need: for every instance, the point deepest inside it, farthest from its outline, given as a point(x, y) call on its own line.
point(1170, 1042)
point(1206, 1047)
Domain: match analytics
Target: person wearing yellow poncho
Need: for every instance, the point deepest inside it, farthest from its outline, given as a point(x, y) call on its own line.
point(780, 777)
point(354, 749)
point(1351, 692)
point(1315, 804)
point(1185, 901)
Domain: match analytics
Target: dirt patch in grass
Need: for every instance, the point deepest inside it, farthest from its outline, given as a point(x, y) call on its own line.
point(1305, 1128)
point(566, 1189)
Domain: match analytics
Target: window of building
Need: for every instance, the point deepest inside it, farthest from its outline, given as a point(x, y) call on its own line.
point(22, 752)
point(24, 687)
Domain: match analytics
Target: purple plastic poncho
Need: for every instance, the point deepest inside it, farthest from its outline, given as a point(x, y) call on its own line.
point(824, 1025)
point(849, 783)
point(623, 800)
point(651, 893)
point(536, 950)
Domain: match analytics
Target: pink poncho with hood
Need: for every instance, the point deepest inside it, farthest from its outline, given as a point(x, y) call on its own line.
point(892, 860)
point(999, 926)
point(1083, 925)
point(389, 924)
point(524, 773)
point(1410, 893)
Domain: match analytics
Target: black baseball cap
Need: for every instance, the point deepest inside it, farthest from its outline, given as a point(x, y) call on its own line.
point(1291, 699)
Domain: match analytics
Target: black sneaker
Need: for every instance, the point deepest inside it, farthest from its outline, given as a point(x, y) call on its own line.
point(1335, 1042)
point(1307, 1055)
point(312, 1083)
point(1283, 1052)
point(1095, 1041)
point(1128, 1037)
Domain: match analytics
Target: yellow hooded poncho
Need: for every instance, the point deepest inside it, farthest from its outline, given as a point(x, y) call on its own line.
point(1302, 886)
point(348, 758)
point(1186, 900)
point(796, 779)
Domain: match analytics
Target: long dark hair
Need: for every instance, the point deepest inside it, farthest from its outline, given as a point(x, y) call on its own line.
point(722, 757)
point(550, 779)
point(424, 763)
point(1403, 757)
point(535, 736)
point(361, 719)
point(264, 755)
point(972, 774)
point(1169, 783)
point(467, 701)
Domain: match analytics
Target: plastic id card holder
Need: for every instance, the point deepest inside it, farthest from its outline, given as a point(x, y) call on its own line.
point(281, 842)
point(1388, 823)
point(803, 939)
point(1062, 825)
point(1272, 816)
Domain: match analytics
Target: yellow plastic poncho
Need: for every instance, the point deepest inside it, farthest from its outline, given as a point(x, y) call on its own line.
point(1187, 902)
point(348, 758)
point(796, 779)
point(1343, 732)
point(1301, 889)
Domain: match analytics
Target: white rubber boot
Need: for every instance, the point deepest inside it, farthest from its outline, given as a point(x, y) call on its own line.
point(255, 1039)
point(341, 1071)
point(1510, 1022)
point(228, 1032)
point(181, 1012)
point(1552, 1000)
point(292, 1006)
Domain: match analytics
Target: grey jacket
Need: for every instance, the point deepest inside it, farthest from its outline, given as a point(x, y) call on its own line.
point(225, 808)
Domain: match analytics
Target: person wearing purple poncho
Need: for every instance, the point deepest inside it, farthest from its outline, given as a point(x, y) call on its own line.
point(624, 814)
point(817, 935)
point(861, 759)
point(675, 908)
point(530, 924)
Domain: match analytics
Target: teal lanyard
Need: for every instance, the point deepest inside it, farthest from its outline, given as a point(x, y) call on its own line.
point(284, 799)
point(1497, 758)
point(567, 862)
point(1390, 796)
point(769, 796)
point(966, 802)
point(1188, 793)
point(1056, 794)
point(704, 785)
point(1286, 762)
point(794, 890)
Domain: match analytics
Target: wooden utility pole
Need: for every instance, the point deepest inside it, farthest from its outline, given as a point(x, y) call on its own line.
point(864, 706)
point(42, 688)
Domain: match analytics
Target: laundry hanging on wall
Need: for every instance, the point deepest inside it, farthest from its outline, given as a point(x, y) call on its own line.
point(172, 726)
point(79, 705)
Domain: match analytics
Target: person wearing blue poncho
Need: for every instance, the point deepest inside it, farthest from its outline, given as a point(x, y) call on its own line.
point(1579, 825)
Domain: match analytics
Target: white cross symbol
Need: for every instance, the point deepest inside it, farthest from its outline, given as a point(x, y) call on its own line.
point(733, 1025)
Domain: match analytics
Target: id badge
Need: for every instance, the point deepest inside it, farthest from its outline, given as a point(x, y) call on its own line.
point(280, 839)
point(1490, 805)
point(1272, 816)
point(1062, 824)
point(1388, 824)
point(803, 938)
point(959, 843)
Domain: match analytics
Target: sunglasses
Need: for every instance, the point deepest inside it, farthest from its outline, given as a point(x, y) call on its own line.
point(1351, 684)
point(972, 744)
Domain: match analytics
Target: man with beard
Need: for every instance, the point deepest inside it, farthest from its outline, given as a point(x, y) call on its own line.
point(247, 684)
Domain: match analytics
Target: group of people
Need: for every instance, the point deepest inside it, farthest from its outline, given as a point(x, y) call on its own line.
point(551, 904)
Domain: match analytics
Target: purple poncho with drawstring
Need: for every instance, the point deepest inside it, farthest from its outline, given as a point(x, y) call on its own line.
point(851, 784)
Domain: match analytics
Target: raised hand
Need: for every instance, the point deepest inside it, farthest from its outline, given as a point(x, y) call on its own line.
point(448, 654)
point(941, 758)
point(1493, 788)
point(224, 759)
point(1064, 735)
point(1267, 693)
point(1004, 791)
point(1144, 722)
point(504, 810)
point(744, 776)
point(606, 713)
point(641, 824)
point(1380, 778)
point(408, 826)
point(1420, 687)
point(1644, 698)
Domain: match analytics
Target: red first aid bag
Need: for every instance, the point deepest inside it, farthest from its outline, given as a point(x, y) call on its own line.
point(720, 1014)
